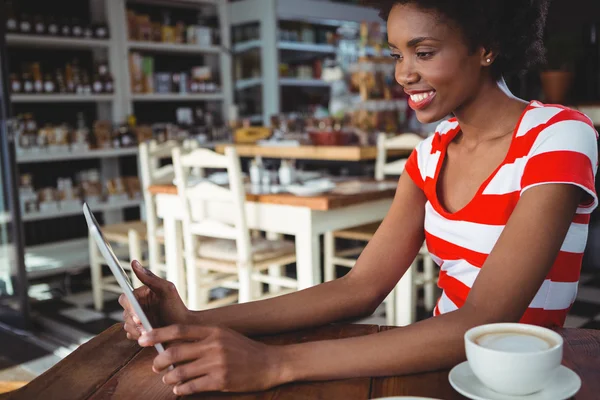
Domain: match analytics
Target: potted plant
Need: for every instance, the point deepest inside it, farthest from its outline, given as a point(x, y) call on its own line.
point(557, 76)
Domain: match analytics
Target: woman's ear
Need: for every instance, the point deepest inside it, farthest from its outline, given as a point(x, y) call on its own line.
point(487, 57)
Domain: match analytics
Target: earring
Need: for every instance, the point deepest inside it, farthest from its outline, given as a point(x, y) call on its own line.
point(488, 60)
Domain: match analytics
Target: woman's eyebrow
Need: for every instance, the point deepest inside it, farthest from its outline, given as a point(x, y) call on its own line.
point(417, 40)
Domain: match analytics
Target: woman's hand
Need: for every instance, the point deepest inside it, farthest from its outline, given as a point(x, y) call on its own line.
point(213, 359)
point(159, 300)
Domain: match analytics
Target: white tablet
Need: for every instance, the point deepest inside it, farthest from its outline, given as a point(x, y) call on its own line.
point(116, 269)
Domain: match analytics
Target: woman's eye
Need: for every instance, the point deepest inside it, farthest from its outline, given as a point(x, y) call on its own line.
point(396, 57)
point(424, 54)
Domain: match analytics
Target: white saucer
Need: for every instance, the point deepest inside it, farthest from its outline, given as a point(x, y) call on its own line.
point(405, 398)
point(564, 385)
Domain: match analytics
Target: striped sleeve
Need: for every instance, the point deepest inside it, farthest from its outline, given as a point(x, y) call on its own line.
point(565, 152)
point(412, 167)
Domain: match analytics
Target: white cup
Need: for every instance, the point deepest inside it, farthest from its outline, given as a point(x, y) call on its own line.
point(512, 358)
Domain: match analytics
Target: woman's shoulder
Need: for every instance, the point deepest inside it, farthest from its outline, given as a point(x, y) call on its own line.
point(539, 119)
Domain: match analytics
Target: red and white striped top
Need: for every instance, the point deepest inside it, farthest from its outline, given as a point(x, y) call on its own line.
point(550, 144)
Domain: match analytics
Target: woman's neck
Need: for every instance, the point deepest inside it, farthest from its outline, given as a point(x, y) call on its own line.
point(491, 114)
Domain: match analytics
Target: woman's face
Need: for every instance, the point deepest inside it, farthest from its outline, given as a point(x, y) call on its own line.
point(433, 62)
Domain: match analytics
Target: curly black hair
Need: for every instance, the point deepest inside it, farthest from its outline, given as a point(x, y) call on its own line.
point(512, 28)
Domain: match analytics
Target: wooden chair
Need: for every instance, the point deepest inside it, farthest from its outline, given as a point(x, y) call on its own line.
point(401, 302)
point(133, 239)
point(127, 240)
point(152, 173)
point(219, 251)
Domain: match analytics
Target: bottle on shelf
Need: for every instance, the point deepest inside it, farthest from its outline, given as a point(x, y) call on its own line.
point(80, 141)
point(38, 82)
point(49, 84)
point(39, 25)
point(65, 28)
point(59, 79)
point(12, 23)
point(168, 33)
point(70, 83)
point(97, 85)
point(109, 85)
point(100, 31)
point(88, 31)
point(76, 28)
point(25, 25)
point(127, 132)
point(15, 84)
point(86, 83)
point(52, 27)
point(27, 83)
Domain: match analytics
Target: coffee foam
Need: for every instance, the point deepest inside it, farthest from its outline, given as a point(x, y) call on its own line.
point(514, 342)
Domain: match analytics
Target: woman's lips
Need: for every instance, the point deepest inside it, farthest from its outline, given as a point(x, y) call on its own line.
point(421, 100)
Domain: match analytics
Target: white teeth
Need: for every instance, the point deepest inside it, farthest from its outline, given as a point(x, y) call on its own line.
point(419, 97)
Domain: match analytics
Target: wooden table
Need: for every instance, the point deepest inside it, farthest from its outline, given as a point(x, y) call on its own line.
point(331, 153)
point(111, 367)
point(352, 203)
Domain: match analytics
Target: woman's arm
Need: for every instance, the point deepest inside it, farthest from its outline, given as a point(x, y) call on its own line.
point(392, 250)
point(221, 359)
point(506, 285)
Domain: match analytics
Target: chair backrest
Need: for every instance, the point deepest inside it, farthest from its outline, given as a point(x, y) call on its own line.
point(196, 199)
point(151, 154)
point(404, 141)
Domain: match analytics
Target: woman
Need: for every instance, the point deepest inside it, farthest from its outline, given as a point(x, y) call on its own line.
point(502, 193)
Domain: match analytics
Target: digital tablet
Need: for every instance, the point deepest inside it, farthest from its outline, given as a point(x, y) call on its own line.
point(116, 269)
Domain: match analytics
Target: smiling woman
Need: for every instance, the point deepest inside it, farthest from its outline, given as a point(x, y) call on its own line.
point(502, 193)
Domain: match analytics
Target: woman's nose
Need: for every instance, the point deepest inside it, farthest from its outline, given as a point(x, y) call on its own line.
point(405, 74)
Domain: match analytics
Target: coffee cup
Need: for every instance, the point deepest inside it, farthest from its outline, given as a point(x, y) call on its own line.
point(512, 358)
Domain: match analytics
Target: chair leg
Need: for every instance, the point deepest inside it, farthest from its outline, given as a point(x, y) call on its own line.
point(274, 270)
point(193, 292)
point(405, 298)
point(390, 308)
point(429, 277)
point(329, 253)
point(245, 282)
point(135, 253)
point(96, 274)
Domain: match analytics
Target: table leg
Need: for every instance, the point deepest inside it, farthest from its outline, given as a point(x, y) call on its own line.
point(275, 270)
point(308, 255)
point(406, 298)
point(174, 255)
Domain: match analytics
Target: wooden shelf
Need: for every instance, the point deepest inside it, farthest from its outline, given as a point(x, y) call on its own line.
point(307, 47)
point(303, 82)
point(37, 41)
point(245, 46)
point(36, 216)
point(178, 48)
point(61, 98)
point(333, 153)
point(55, 258)
point(51, 157)
point(177, 97)
point(242, 84)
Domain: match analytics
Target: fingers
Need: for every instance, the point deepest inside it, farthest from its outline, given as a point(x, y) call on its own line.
point(206, 383)
point(178, 354)
point(155, 283)
point(177, 332)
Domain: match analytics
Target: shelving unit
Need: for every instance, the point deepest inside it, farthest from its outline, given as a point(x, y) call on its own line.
point(172, 48)
point(66, 156)
point(117, 9)
point(61, 98)
point(16, 39)
point(268, 14)
point(61, 257)
point(108, 206)
point(178, 97)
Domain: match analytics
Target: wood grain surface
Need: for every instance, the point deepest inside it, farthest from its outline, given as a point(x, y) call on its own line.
point(82, 372)
point(434, 385)
point(345, 195)
point(112, 367)
point(332, 153)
